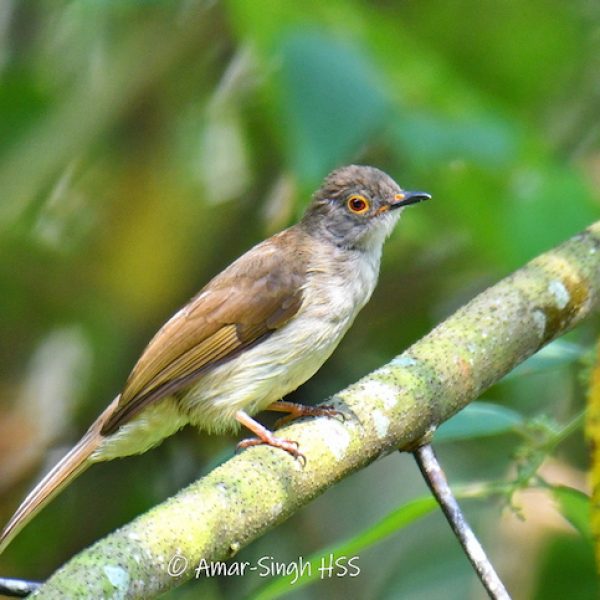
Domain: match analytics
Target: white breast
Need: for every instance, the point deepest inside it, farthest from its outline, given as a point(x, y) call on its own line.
point(339, 283)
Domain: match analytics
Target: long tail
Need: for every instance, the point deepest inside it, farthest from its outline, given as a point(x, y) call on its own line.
point(75, 462)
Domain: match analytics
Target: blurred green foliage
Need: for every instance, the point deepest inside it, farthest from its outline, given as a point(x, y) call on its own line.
point(146, 144)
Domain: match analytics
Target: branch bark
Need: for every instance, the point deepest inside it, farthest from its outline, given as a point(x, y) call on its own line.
point(393, 407)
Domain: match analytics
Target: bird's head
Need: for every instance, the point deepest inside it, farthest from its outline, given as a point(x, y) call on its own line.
point(357, 207)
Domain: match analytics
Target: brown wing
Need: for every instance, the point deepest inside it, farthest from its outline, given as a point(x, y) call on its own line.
point(253, 297)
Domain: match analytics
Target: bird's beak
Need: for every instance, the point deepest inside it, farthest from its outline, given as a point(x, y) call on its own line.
point(406, 198)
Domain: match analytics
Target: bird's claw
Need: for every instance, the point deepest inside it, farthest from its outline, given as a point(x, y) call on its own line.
point(326, 410)
point(290, 446)
point(331, 411)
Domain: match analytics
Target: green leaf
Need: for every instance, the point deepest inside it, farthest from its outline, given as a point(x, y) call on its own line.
point(399, 518)
point(554, 355)
point(535, 195)
point(483, 140)
point(479, 419)
point(332, 102)
point(574, 506)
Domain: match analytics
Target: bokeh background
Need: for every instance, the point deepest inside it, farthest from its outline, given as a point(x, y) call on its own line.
point(146, 144)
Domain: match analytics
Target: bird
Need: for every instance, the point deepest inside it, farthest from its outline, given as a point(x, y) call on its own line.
point(253, 334)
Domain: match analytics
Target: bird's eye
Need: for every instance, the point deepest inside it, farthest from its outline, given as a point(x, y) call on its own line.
point(358, 204)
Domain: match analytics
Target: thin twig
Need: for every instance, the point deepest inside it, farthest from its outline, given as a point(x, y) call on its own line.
point(438, 484)
point(17, 588)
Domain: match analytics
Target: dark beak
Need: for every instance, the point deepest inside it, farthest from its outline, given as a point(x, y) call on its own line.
point(407, 198)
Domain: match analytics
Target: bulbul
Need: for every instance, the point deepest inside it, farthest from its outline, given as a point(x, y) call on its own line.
point(254, 333)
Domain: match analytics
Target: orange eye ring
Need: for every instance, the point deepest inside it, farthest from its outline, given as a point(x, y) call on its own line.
point(358, 204)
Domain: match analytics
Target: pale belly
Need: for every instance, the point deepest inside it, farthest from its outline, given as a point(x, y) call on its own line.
point(263, 374)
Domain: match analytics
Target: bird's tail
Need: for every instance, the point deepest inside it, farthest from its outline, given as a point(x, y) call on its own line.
point(75, 462)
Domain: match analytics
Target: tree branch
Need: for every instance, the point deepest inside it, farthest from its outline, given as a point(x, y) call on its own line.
point(17, 588)
point(394, 407)
point(438, 484)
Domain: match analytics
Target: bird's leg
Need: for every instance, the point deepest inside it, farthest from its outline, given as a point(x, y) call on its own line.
point(300, 410)
point(264, 436)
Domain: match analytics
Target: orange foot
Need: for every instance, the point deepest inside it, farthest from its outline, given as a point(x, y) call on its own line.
point(290, 446)
point(300, 410)
point(264, 436)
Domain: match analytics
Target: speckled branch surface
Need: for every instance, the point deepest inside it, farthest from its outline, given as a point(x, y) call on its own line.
point(393, 407)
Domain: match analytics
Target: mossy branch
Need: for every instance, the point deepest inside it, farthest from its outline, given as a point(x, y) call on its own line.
point(394, 407)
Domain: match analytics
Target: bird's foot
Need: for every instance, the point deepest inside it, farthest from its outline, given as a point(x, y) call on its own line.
point(290, 446)
point(300, 410)
point(264, 436)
